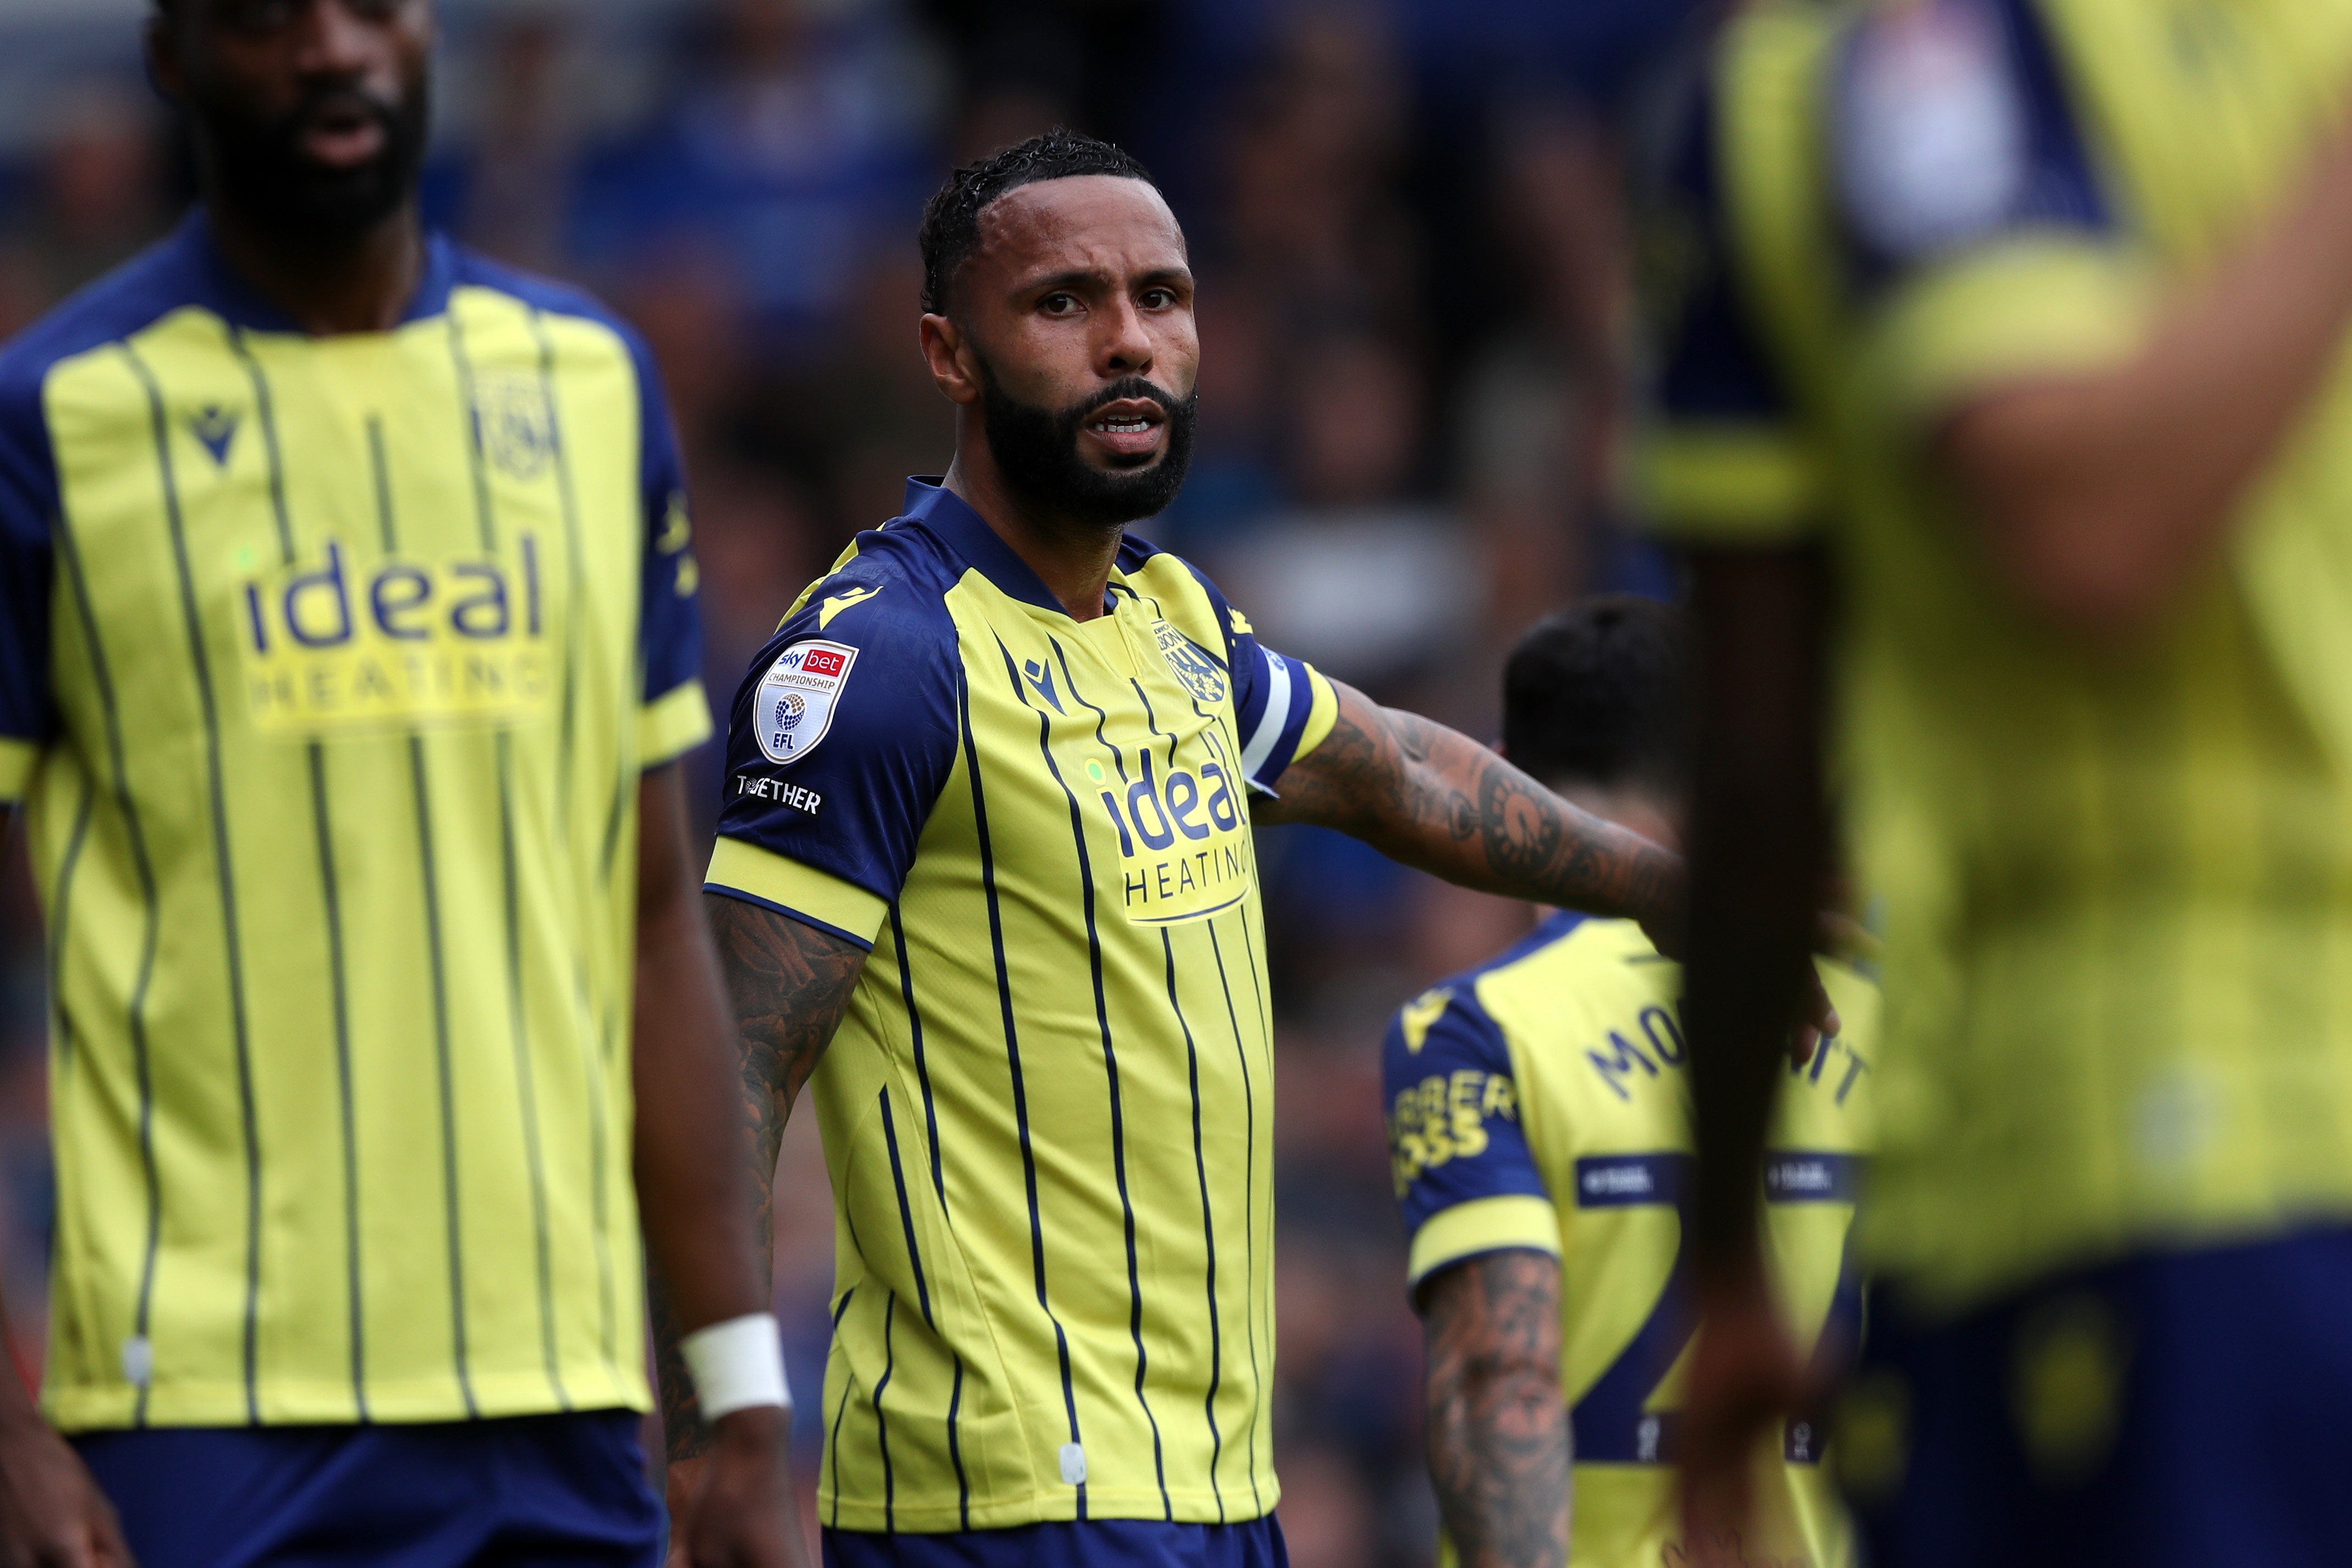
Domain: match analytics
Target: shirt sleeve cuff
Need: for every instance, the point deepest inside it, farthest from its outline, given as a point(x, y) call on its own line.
point(16, 759)
point(813, 897)
point(1727, 485)
point(673, 724)
point(1513, 1222)
point(2034, 307)
point(1320, 717)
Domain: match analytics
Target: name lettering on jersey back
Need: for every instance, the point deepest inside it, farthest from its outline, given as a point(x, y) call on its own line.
point(396, 644)
point(1184, 852)
point(1442, 1118)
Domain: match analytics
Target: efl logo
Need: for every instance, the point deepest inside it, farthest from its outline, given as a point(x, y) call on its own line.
point(797, 696)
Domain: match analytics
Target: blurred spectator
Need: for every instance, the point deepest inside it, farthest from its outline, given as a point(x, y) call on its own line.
point(793, 144)
point(93, 197)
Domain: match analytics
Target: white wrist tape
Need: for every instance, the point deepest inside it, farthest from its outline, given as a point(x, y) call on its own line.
point(737, 1365)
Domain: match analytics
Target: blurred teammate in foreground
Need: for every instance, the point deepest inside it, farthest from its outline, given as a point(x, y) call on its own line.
point(987, 836)
point(1539, 1129)
point(2023, 330)
point(348, 635)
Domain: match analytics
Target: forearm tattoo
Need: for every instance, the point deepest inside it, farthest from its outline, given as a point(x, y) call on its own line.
point(1432, 797)
point(1499, 1433)
point(790, 984)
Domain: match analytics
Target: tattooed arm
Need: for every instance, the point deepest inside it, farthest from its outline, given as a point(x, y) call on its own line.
point(1421, 794)
point(788, 984)
point(1498, 1437)
point(689, 1146)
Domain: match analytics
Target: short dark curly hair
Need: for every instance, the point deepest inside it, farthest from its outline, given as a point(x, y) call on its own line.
point(1600, 695)
point(950, 230)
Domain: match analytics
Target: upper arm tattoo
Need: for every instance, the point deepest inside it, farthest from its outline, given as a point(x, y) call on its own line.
point(790, 984)
point(1499, 1432)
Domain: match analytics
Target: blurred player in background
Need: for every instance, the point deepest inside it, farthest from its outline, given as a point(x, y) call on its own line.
point(985, 852)
point(348, 638)
point(2011, 389)
point(1539, 1131)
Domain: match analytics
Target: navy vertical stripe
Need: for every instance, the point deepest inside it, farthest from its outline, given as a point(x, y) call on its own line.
point(102, 678)
point(1249, 1207)
point(922, 1066)
point(881, 1419)
point(232, 939)
point(1208, 1226)
point(1110, 1067)
point(1013, 1060)
point(61, 917)
point(390, 531)
point(832, 1443)
point(338, 973)
point(939, 1186)
point(906, 1210)
point(518, 1028)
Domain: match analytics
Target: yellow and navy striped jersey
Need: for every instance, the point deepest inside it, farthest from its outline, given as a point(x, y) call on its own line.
point(1048, 1112)
point(328, 673)
point(2119, 883)
point(1539, 1102)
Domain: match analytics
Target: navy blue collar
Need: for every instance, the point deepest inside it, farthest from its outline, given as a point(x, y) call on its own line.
point(217, 287)
point(930, 503)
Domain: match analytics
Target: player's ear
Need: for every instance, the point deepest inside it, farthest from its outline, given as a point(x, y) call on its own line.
point(946, 349)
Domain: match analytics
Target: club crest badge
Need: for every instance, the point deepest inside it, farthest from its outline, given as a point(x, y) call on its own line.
point(1194, 668)
point(797, 697)
point(1933, 134)
point(515, 425)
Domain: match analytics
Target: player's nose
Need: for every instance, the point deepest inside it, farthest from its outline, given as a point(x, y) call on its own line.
point(1127, 346)
point(336, 40)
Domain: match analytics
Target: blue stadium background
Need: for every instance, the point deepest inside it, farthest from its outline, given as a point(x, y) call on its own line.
point(1417, 315)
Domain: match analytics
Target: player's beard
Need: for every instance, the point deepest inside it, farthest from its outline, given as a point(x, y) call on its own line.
point(263, 174)
point(1036, 450)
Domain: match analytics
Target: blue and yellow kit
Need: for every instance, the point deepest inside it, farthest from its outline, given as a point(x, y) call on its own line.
point(1539, 1102)
point(2119, 881)
point(329, 668)
point(1048, 1112)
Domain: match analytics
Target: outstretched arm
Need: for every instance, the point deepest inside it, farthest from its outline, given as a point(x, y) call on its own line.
point(1498, 1437)
point(788, 984)
point(1423, 795)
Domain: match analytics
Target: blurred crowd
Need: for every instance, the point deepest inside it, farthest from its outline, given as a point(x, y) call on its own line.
point(1415, 307)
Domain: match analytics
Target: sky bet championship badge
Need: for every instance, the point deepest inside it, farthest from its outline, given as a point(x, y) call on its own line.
point(797, 697)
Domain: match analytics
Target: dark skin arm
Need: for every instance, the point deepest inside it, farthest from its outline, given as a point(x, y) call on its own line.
point(789, 985)
point(1760, 846)
point(1498, 1439)
point(689, 1153)
point(1436, 800)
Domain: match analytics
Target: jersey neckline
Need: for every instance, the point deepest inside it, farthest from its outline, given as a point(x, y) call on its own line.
point(952, 520)
point(217, 286)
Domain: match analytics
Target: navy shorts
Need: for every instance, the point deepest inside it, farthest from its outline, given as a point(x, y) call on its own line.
point(1089, 1543)
point(539, 1490)
point(2178, 1408)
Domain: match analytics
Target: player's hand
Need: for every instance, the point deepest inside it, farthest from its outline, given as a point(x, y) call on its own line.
point(1746, 1379)
point(52, 1515)
point(740, 1511)
point(682, 1480)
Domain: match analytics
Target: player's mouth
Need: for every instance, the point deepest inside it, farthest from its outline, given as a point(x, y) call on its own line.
point(1130, 428)
point(344, 132)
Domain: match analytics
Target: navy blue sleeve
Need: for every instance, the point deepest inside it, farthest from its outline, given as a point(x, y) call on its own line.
point(1454, 1132)
point(1951, 128)
point(671, 628)
point(841, 739)
point(1714, 368)
point(28, 505)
